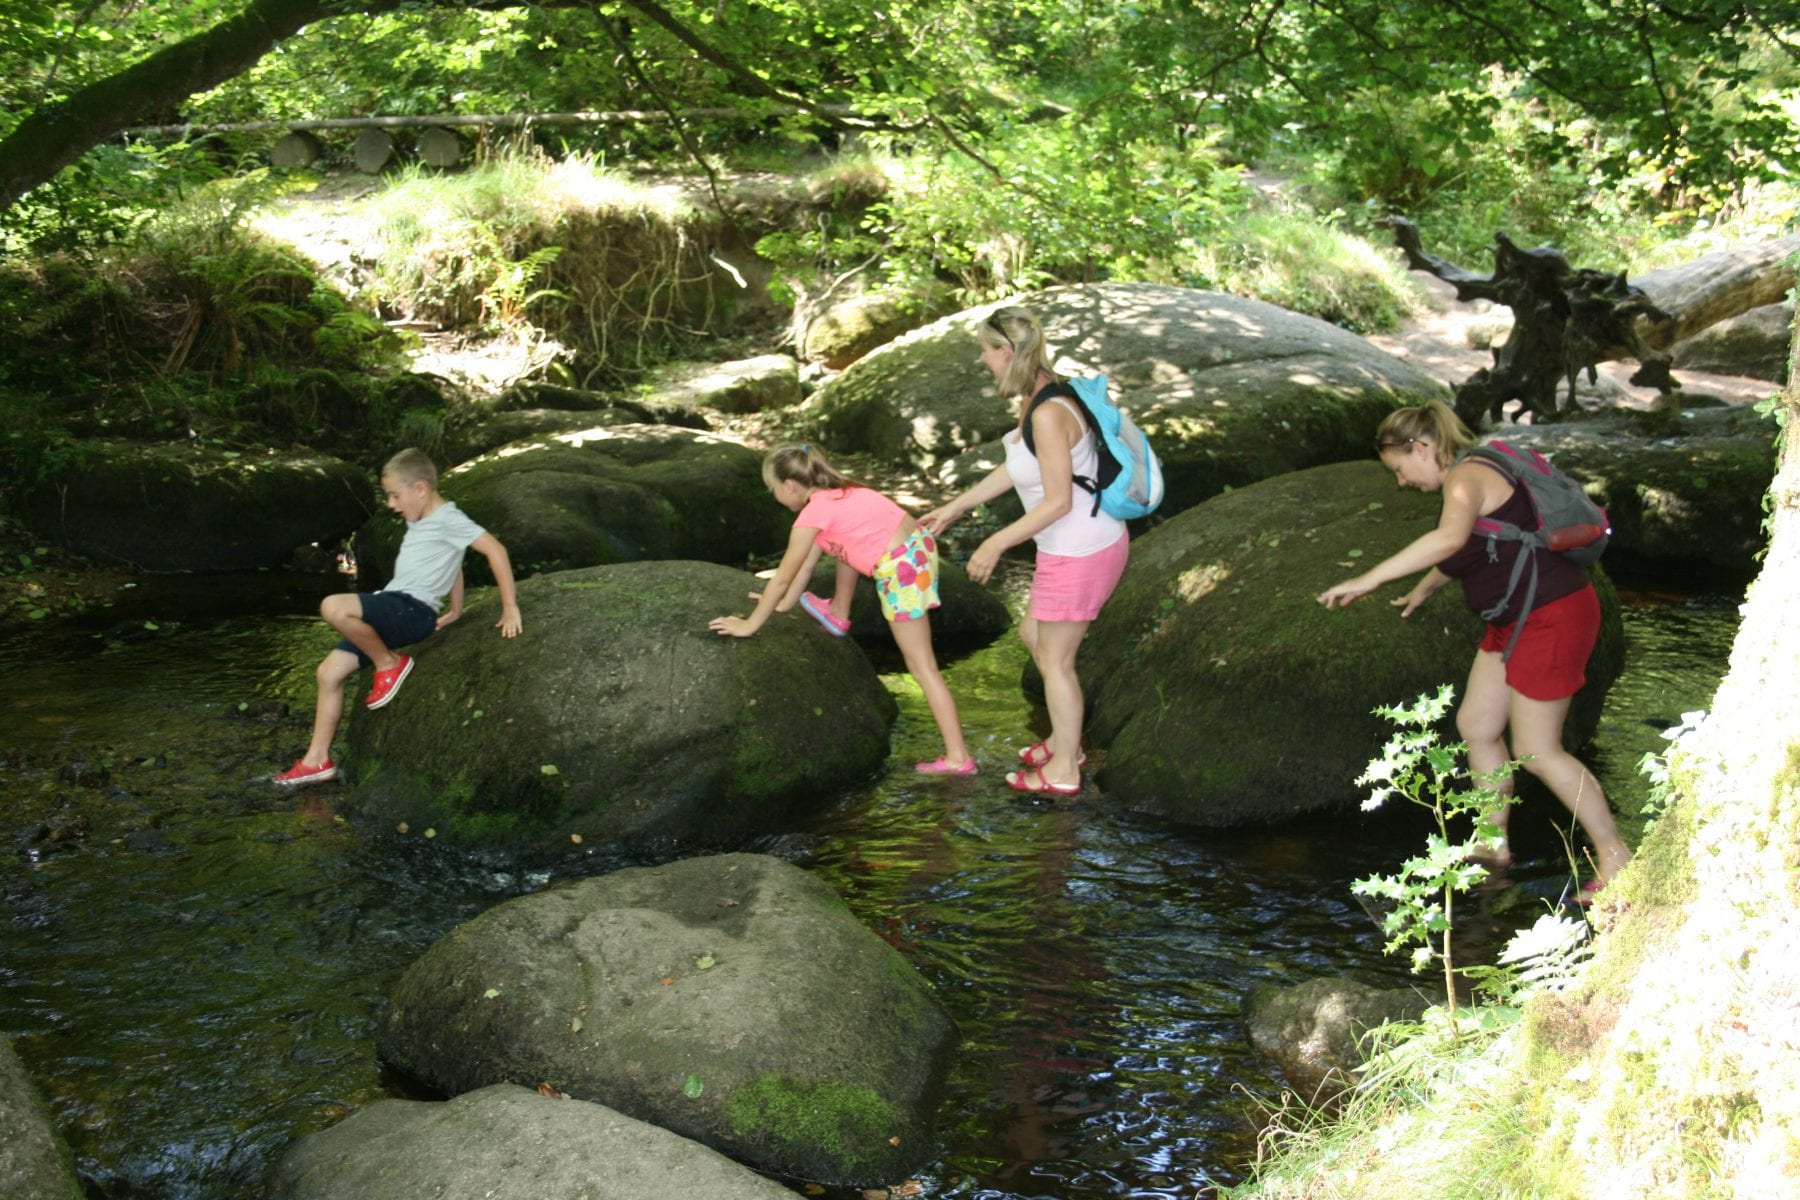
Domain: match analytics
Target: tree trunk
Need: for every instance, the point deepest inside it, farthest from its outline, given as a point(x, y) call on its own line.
point(1717, 287)
point(56, 135)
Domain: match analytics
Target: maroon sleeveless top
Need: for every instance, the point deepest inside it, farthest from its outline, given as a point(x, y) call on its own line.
point(1483, 566)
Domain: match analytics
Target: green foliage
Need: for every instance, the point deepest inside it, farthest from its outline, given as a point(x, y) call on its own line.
point(1067, 206)
point(1416, 768)
point(535, 248)
point(1309, 264)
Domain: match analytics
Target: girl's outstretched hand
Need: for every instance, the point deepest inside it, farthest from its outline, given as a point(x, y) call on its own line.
point(1341, 594)
point(731, 627)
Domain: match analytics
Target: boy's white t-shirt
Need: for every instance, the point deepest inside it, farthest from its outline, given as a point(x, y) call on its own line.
point(431, 554)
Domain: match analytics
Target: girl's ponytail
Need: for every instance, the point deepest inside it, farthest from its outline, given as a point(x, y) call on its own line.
point(805, 463)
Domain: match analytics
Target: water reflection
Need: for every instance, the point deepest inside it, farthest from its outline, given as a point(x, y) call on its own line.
point(197, 981)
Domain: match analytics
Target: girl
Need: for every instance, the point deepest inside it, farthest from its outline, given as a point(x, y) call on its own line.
point(1529, 692)
point(1081, 551)
point(861, 527)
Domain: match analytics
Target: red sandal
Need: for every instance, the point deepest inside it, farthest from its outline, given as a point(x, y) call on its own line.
point(1038, 753)
point(1021, 781)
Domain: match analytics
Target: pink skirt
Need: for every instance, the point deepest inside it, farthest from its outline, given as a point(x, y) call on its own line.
point(1075, 589)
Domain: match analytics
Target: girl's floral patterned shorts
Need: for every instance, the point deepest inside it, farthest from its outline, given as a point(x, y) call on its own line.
point(906, 578)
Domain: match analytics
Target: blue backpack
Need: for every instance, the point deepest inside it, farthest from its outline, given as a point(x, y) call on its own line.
point(1130, 478)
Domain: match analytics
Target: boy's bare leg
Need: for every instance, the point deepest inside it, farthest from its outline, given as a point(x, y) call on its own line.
point(334, 670)
point(343, 612)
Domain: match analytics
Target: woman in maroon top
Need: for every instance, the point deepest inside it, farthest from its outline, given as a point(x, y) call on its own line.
point(1528, 693)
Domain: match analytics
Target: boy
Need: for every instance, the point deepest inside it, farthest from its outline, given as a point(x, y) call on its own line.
point(406, 610)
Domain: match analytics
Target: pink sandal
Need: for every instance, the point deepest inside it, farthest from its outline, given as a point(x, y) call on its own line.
point(940, 766)
point(1038, 753)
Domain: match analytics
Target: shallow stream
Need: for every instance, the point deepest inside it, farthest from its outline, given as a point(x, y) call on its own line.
point(193, 963)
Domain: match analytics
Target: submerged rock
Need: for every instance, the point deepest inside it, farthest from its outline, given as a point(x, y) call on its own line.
point(603, 494)
point(734, 1000)
point(1226, 695)
point(618, 716)
point(1314, 1030)
point(35, 1163)
point(179, 507)
point(512, 1141)
point(1229, 390)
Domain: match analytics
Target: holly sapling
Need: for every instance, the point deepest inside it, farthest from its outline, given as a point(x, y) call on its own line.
point(1415, 767)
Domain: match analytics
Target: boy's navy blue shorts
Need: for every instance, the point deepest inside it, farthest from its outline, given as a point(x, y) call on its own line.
point(399, 620)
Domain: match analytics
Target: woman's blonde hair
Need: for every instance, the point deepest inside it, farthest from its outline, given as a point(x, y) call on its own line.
point(806, 463)
point(1018, 328)
point(1434, 422)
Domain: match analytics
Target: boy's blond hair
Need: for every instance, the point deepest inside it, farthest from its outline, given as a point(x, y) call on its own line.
point(410, 466)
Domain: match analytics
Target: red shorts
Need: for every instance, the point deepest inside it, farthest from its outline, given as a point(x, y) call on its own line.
point(1066, 588)
point(1550, 661)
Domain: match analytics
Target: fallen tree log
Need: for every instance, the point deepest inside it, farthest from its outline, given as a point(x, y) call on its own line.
point(1568, 320)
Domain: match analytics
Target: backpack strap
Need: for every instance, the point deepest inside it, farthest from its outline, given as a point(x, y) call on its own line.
point(1060, 389)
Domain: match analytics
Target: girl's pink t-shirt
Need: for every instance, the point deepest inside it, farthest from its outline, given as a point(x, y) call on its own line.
point(855, 524)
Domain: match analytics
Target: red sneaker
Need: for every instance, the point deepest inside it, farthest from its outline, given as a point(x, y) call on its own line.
point(299, 775)
point(387, 683)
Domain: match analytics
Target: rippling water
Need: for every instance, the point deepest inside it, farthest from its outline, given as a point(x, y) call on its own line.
point(194, 978)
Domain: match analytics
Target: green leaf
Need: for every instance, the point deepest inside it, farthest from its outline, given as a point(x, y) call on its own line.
point(706, 962)
point(693, 1087)
point(547, 768)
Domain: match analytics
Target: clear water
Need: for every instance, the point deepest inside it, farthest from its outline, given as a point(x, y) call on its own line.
point(193, 978)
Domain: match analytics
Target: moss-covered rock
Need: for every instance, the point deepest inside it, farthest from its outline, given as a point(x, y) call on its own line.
point(1313, 1031)
point(1224, 692)
point(734, 1000)
point(1680, 487)
point(618, 716)
point(1229, 390)
point(846, 329)
point(1753, 344)
point(743, 386)
point(512, 1141)
point(604, 494)
point(180, 507)
point(35, 1163)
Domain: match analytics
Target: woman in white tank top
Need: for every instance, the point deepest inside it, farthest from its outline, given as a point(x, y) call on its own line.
point(1081, 550)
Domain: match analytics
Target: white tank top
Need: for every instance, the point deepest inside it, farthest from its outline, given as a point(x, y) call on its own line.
point(1081, 531)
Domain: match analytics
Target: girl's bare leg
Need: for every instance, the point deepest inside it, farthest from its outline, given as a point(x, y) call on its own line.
point(914, 639)
point(843, 595)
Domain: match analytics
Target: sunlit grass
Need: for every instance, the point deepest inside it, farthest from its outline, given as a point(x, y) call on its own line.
point(1309, 264)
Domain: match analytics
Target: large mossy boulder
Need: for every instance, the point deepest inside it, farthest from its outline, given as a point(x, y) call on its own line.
point(619, 717)
point(604, 494)
point(1682, 488)
point(506, 1140)
point(1226, 695)
point(1229, 390)
point(180, 507)
point(844, 329)
point(734, 1000)
point(35, 1163)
